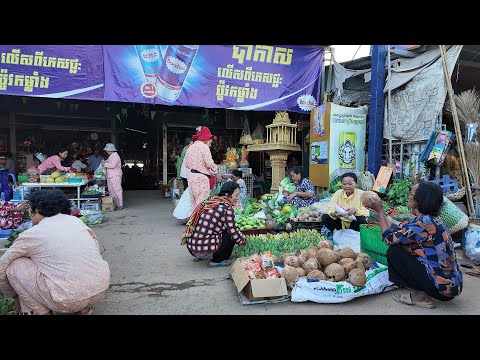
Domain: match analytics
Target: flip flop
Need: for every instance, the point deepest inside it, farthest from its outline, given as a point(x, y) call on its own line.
point(222, 263)
point(407, 299)
point(195, 259)
point(473, 272)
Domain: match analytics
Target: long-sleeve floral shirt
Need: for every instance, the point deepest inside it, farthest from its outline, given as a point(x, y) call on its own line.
point(53, 162)
point(427, 239)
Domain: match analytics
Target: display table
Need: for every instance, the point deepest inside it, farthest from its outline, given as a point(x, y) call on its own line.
point(57, 185)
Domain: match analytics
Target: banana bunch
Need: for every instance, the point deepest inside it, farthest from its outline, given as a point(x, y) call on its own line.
point(7, 307)
point(256, 206)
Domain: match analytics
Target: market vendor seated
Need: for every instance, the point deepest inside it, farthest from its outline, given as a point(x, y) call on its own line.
point(304, 194)
point(212, 231)
point(349, 199)
point(421, 255)
point(11, 215)
point(54, 163)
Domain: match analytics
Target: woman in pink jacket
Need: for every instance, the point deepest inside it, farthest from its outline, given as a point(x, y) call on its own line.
point(54, 162)
point(114, 175)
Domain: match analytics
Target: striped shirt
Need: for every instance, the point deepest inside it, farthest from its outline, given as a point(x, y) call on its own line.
point(207, 236)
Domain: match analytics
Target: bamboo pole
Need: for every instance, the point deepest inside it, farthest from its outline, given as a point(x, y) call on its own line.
point(458, 133)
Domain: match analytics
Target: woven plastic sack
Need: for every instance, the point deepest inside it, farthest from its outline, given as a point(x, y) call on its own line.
point(371, 243)
point(453, 218)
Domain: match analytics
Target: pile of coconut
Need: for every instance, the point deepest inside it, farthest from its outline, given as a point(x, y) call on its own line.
point(326, 264)
point(308, 216)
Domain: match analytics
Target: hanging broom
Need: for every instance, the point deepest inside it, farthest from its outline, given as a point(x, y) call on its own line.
point(472, 156)
point(468, 108)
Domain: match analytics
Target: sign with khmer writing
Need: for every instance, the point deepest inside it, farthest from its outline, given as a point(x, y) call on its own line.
point(54, 71)
point(237, 77)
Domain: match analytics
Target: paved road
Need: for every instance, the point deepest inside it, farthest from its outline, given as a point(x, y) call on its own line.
point(153, 274)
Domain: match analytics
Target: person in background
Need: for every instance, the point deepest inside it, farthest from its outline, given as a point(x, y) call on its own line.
point(10, 164)
point(182, 170)
point(114, 175)
point(78, 164)
point(421, 255)
point(198, 159)
point(292, 163)
point(348, 198)
point(237, 176)
point(11, 215)
point(212, 231)
point(95, 160)
point(304, 194)
point(54, 162)
point(55, 266)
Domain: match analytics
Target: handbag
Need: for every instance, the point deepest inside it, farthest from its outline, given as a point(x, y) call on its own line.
point(211, 178)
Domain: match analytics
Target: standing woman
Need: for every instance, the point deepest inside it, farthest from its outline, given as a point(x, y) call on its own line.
point(54, 162)
point(114, 175)
point(198, 159)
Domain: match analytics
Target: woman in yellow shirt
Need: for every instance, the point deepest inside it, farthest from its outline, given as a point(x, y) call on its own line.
point(349, 199)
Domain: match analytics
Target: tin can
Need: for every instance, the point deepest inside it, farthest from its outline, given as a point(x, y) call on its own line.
point(175, 67)
point(151, 60)
point(347, 150)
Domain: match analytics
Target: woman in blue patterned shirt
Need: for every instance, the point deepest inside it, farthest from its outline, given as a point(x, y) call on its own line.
point(304, 194)
point(420, 254)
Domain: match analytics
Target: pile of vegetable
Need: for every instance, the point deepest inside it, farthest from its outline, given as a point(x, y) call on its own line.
point(7, 306)
point(279, 244)
point(92, 217)
point(250, 223)
point(321, 262)
point(307, 216)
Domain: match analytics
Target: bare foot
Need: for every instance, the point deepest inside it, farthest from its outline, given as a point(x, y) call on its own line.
point(87, 311)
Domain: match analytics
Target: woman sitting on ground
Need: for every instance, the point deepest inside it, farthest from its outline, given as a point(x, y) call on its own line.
point(55, 266)
point(348, 198)
point(211, 231)
point(304, 194)
point(11, 215)
point(420, 255)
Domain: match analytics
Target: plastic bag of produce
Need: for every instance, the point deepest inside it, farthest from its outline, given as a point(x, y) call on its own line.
point(246, 137)
point(92, 217)
point(100, 172)
point(322, 291)
point(183, 210)
point(258, 134)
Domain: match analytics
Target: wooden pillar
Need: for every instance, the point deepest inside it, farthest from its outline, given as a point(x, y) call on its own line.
point(113, 125)
point(13, 135)
point(278, 160)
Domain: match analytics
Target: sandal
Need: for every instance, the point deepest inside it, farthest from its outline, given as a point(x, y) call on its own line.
point(222, 263)
point(407, 299)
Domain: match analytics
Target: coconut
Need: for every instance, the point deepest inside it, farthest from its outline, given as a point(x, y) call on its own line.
point(303, 257)
point(366, 259)
point(370, 199)
point(311, 252)
point(284, 256)
point(289, 227)
point(326, 257)
point(325, 244)
point(290, 275)
point(316, 274)
point(292, 260)
point(311, 264)
point(301, 272)
point(335, 272)
point(347, 253)
point(274, 258)
point(357, 276)
point(345, 261)
point(349, 266)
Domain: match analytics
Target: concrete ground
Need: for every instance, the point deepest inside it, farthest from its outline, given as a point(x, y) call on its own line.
point(151, 273)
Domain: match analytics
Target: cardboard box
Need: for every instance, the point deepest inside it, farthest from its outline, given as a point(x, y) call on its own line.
point(382, 180)
point(108, 204)
point(257, 289)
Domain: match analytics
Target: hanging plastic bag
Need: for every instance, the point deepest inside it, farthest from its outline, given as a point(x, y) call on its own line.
point(258, 135)
point(100, 172)
point(246, 138)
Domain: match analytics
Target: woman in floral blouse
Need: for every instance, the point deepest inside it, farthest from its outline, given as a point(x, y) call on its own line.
point(304, 194)
point(421, 256)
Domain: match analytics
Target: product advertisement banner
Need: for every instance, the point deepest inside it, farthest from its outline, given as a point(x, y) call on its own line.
point(347, 138)
point(237, 77)
point(54, 71)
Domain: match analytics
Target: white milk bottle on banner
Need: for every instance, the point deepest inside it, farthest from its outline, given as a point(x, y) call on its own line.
point(175, 66)
point(151, 60)
point(346, 150)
